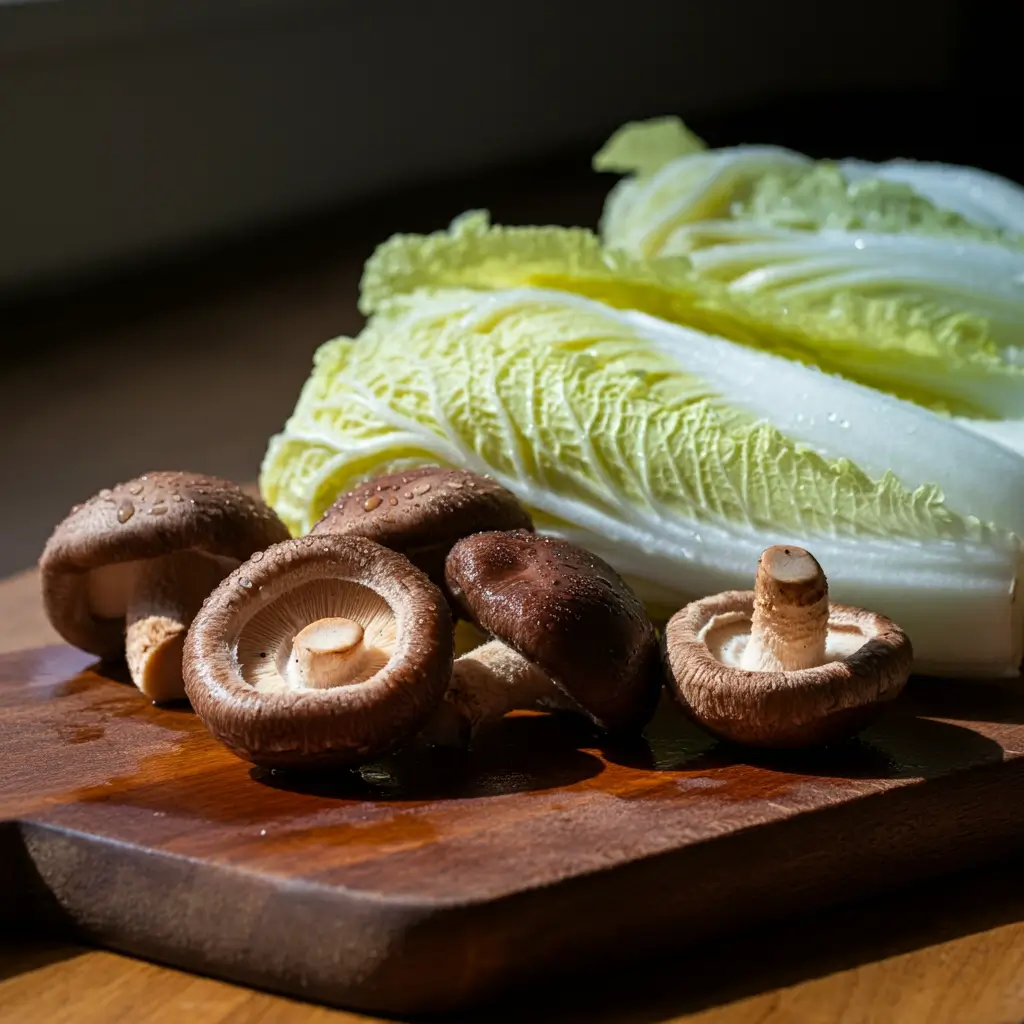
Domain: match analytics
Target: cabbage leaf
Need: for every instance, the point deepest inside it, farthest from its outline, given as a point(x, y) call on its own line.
point(931, 254)
point(978, 196)
point(675, 454)
point(946, 362)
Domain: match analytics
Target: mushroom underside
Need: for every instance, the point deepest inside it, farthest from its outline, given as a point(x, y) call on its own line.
point(327, 650)
point(728, 636)
point(781, 666)
point(321, 634)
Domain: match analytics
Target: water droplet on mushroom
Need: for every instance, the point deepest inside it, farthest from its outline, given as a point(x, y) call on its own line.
point(176, 497)
point(421, 489)
point(408, 494)
point(244, 582)
point(455, 485)
point(372, 502)
point(125, 510)
point(845, 424)
point(256, 556)
point(392, 501)
point(158, 510)
point(831, 417)
point(135, 489)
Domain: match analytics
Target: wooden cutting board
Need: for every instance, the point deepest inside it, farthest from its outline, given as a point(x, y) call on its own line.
point(427, 881)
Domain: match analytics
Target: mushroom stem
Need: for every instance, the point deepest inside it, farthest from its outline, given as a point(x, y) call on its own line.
point(790, 621)
point(328, 652)
point(486, 684)
point(166, 595)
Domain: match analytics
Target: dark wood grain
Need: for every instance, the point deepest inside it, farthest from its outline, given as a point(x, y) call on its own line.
point(426, 881)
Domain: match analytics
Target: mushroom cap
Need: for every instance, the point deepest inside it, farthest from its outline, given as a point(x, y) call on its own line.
point(242, 638)
point(156, 514)
point(570, 614)
point(871, 662)
point(423, 512)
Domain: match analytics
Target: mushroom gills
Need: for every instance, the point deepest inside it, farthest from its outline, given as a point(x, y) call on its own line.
point(729, 637)
point(320, 635)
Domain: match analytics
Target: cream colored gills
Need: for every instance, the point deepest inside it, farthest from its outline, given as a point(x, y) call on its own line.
point(320, 635)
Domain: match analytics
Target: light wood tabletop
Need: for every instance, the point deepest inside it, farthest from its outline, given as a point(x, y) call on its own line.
point(234, 356)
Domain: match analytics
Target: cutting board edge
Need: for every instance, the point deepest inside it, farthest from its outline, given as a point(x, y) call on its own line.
point(410, 956)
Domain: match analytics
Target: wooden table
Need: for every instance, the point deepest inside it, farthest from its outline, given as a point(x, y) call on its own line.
point(951, 952)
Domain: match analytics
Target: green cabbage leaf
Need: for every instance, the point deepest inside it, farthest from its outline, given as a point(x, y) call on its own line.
point(914, 257)
point(673, 452)
point(944, 361)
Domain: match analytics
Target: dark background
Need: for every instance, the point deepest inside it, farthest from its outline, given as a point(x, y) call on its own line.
point(188, 190)
point(138, 129)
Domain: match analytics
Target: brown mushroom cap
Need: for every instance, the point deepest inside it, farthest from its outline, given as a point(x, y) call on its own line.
point(89, 561)
point(239, 647)
point(423, 512)
point(869, 661)
point(570, 614)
